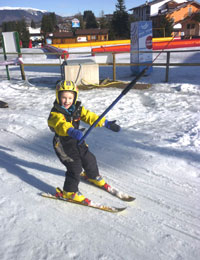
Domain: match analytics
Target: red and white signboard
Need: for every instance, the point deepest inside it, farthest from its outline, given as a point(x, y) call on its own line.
point(141, 40)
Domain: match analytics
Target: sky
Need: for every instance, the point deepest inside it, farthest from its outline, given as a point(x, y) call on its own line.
point(68, 7)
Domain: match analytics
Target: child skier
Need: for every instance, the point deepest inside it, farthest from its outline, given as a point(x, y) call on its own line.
point(64, 120)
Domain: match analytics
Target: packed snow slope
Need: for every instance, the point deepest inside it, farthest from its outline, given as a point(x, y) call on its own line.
point(155, 157)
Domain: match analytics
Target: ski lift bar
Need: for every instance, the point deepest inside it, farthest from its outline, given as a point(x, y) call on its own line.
point(124, 92)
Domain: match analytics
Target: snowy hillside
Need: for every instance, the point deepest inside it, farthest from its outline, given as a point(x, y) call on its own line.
point(8, 14)
point(155, 157)
point(21, 8)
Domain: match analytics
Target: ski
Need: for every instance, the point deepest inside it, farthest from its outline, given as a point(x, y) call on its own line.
point(88, 203)
point(115, 192)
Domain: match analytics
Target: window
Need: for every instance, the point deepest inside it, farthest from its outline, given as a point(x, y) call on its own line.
point(93, 37)
point(189, 10)
point(188, 26)
point(192, 26)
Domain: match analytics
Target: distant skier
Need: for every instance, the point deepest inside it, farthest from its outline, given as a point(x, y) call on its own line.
point(64, 120)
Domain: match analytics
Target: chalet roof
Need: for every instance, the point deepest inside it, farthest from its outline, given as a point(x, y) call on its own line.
point(184, 5)
point(78, 32)
point(151, 3)
point(91, 31)
point(190, 18)
point(62, 35)
point(146, 3)
point(172, 4)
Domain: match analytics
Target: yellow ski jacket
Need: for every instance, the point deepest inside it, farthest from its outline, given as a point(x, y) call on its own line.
point(60, 122)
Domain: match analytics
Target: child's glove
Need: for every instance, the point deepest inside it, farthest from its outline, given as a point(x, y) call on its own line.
point(75, 133)
point(112, 126)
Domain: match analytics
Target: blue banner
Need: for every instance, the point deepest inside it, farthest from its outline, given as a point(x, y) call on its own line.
point(141, 40)
point(75, 23)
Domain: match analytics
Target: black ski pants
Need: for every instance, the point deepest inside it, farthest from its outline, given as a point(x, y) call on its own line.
point(75, 158)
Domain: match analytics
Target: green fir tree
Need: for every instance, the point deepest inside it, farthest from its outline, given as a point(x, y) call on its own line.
point(21, 28)
point(120, 21)
point(166, 27)
point(90, 20)
point(33, 25)
point(102, 21)
point(48, 23)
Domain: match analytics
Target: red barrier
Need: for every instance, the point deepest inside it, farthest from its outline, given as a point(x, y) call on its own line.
point(156, 46)
point(119, 48)
point(54, 49)
point(176, 44)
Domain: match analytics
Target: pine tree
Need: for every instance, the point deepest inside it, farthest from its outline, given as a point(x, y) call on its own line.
point(20, 27)
point(9, 26)
point(53, 19)
point(120, 21)
point(90, 20)
point(48, 23)
point(166, 24)
point(79, 16)
point(33, 24)
point(102, 21)
point(120, 6)
point(23, 33)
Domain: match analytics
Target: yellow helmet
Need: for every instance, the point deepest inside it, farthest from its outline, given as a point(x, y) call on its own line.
point(66, 85)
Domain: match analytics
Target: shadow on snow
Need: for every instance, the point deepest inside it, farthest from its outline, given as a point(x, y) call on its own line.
point(15, 166)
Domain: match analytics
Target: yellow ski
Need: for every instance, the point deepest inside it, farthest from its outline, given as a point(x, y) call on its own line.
point(86, 202)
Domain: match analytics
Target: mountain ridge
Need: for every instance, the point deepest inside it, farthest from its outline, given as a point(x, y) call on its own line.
point(8, 14)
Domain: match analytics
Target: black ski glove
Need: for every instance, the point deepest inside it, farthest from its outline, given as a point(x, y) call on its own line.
point(112, 126)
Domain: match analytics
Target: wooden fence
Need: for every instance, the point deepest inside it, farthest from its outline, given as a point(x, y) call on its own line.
point(114, 64)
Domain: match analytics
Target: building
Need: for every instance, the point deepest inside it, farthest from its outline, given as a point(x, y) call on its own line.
point(35, 36)
point(145, 11)
point(66, 24)
point(92, 35)
point(190, 26)
point(79, 35)
point(60, 38)
point(180, 11)
point(181, 14)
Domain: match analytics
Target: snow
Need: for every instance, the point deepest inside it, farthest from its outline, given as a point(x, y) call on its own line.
point(155, 157)
point(22, 8)
point(34, 30)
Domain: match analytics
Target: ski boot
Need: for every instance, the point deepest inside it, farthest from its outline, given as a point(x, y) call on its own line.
point(98, 181)
point(77, 196)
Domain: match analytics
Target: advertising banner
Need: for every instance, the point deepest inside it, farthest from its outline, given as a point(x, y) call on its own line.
point(141, 40)
point(49, 41)
point(82, 39)
point(75, 23)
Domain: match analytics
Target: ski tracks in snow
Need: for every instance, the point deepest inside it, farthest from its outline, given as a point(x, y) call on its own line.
point(167, 200)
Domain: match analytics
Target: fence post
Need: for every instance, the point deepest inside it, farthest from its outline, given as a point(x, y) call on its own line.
point(19, 55)
point(5, 57)
point(114, 67)
point(167, 67)
point(22, 71)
